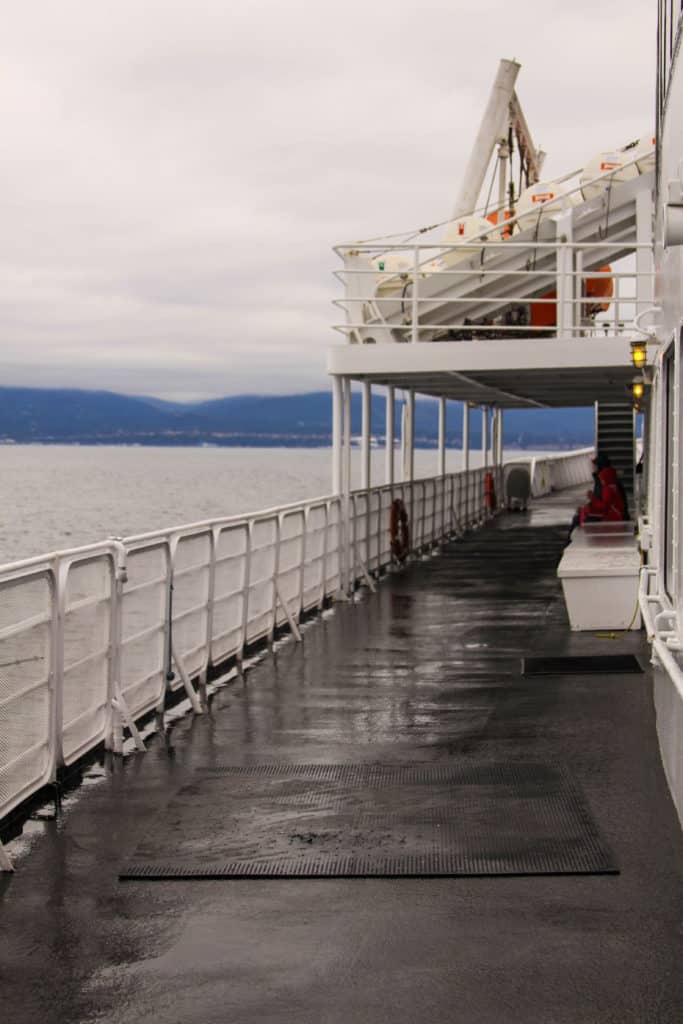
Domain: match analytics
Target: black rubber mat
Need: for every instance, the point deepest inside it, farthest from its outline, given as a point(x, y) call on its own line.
point(322, 821)
point(598, 664)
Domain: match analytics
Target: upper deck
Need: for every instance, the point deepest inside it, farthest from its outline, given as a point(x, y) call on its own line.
point(427, 671)
point(509, 320)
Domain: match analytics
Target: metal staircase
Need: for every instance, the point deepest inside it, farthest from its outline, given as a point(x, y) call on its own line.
point(614, 434)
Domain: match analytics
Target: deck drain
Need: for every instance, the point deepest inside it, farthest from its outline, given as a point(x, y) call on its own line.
point(344, 821)
point(598, 664)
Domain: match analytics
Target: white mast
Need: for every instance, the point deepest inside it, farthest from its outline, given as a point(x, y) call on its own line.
point(493, 128)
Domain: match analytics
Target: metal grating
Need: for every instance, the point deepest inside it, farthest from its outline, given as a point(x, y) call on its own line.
point(598, 664)
point(389, 821)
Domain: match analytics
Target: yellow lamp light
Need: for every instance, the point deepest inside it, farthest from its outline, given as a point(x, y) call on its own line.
point(639, 354)
point(638, 389)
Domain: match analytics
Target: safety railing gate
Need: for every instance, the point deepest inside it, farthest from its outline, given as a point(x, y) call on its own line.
point(92, 640)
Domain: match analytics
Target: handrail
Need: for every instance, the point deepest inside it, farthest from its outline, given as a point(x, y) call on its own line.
point(656, 634)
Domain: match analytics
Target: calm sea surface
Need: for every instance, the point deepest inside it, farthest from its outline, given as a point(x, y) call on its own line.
point(54, 496)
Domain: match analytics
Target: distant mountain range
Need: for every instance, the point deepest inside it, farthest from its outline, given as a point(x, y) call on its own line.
point(57, 416)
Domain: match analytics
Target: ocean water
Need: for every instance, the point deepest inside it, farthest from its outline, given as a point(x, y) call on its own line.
point(60, 496)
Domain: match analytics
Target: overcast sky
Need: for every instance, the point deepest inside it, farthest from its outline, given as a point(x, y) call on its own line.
point(174, 175)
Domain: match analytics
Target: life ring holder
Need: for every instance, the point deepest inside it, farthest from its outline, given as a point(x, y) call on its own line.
point(399, 530)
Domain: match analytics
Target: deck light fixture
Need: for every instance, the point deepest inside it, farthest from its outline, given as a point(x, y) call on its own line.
point(639, 354)
point(638, 388)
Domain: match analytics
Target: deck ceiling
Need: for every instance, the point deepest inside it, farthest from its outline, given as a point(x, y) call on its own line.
point(510, 373)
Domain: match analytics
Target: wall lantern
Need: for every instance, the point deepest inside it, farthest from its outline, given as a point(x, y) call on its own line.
point(639, 354)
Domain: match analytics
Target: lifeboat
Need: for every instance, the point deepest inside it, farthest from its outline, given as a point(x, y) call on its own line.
point(469, 228)
point(616, 161)
point(392, 264)
point(644, 149)
point(533, 199)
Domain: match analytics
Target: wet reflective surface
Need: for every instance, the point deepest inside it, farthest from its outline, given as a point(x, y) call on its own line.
point(427, 670)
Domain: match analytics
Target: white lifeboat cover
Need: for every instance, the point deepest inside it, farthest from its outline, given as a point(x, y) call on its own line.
point(617, 161)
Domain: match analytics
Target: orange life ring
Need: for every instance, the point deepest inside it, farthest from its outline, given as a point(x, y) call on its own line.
point(399, 530)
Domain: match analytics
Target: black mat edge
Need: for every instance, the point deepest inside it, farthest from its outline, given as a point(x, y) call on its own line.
point(152, 872)
point(581, 664)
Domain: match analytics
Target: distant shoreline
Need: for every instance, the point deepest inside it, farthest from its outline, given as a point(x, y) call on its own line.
point(423, 444)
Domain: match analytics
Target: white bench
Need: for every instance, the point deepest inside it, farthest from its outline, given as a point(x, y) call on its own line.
point(599, 571)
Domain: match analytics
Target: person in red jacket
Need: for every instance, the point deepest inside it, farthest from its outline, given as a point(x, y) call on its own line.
point(606, 501)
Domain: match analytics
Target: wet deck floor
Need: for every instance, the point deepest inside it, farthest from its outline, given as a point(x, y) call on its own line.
point(428, 670)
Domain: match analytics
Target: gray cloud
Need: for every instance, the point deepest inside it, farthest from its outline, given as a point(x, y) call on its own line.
point(174, 175)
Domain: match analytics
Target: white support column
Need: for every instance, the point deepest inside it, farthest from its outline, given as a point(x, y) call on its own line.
point(466, 456)
point(347, 532)
point(390, 432)
point(491, 457)
point(411, 435)
point(365, 436)
point(485, 435)
point(410, 448)
point(465, 436)
point(337, 431)
point(499, 438)
point(441, 469)
point(644, 257)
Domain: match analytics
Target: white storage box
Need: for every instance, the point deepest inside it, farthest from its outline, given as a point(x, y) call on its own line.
point(600, 583)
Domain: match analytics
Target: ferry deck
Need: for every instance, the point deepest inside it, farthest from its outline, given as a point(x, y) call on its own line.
point(425, 672)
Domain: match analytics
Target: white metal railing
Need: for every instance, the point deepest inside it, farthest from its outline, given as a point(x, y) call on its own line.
point(483, 299)
point(91, 639)
point(486, 286)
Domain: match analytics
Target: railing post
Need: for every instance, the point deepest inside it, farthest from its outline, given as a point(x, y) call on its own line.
point(565, 277)
point(55, 677)
point(245, 599)
point(276, 575)
point(113, 739)
point(305, 516)
point(415, 332)
point(61, 575)
point(644, 255)
point(209, 613)
point(323, 585)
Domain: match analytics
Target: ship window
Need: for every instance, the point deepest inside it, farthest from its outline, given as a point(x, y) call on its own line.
point(669, 413)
